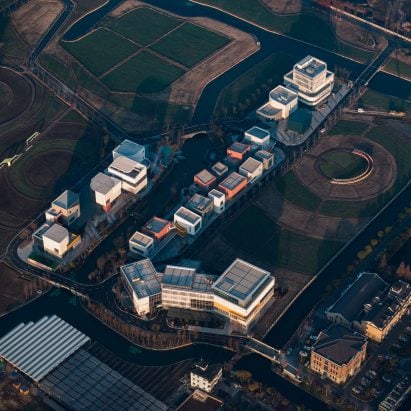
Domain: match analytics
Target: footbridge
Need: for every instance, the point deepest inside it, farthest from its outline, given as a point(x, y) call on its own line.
point(264, 349)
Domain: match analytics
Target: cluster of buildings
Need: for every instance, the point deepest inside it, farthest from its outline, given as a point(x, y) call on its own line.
point(241, 294)
point(368, 309)
point(309, 82)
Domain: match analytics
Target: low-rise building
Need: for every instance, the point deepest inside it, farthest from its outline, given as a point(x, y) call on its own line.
point(311, 80)
point(143, 284)
point(205, 376)
point(141, 244)
point(107, 189)
point(157, 227)
point(266, 158)
point(219, 169)
point(338, 354)
point(204, 179)
point(132, 174)
point(66, 207)
point(281, 103)
point(131, 150)
point(251, 168)
point(201, 205)
point(242, 293)
point(258, 136)
point(201, 401)
point(238, 150)
point(186, 221)
point(232, 185)
point(218, 199)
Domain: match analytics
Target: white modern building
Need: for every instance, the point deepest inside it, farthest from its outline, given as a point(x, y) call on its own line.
point(132, 174)
point(143, 284)
point(201, 205)
point(242, 292)
point(258, 136)
point(65, 207)
point(131, 150)
point(281, 103)
point(142, 244)
point(107, 189)
point(184, 288)
point(311, 80)
point(266, 158)
point(205, 376)
point(218, 200)
point(251, 168)
point(187, 221)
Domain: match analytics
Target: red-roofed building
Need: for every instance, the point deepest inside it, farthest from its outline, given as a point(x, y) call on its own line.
point(204, 179)
point(157, 228)
point(238, 150)
point(232, 185)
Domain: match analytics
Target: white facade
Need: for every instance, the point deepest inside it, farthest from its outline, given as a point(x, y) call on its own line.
point(311, 80)
point(131, 150)
point(132, 174)
point(281, 103)
point(56, 240)
point(258, 136)
point(189, 221)
point(141, 244)
point(205, 379)
point(251, 168)
point(218, 201)
point(106, 189)
point(187, 299)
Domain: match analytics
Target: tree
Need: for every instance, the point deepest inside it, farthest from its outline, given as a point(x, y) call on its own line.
point(401, 270)
point(243, 375)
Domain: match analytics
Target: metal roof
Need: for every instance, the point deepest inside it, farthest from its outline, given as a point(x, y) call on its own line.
point(264, 155)
point(141, 239)
point(258, 132)
point(205, 177)
point(186, 214)
point(216, 193)
point(102, 183)
point(66, 200)
point(56, 233)
point(127, 166)
point(179, 276)
point(232, 181)
point(36, 348)
point(250, 165)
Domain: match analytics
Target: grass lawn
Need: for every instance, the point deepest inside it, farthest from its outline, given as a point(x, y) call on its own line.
point(144, 73)
point(59, 69)
point(375, 99)
point(256, 234)
point(342, 164)
point(295, 192)
point(398, 68)
point(144, 25)
point(100, 50)
point(189, 44)
point(349, 128)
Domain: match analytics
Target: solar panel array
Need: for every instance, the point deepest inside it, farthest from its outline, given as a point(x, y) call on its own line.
point(36, 348)
point(85, 383)
point(188, 215)
point(232, 181)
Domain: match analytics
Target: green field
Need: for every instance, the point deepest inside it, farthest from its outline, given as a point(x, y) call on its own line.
point(399, 68)
point(295, 192)
point(144, 25)
point(349, 128)
point(144, 73)
point(257, 235)
point(189, 44)
point(375, 99)
point(342, 164)
point(100, 50)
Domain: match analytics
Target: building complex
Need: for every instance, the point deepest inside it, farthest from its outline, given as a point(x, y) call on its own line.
point(205, 376)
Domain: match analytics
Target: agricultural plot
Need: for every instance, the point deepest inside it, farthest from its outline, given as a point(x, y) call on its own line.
point(144, 73)
point(144, 25)
point(189, 44)
point(100, 50)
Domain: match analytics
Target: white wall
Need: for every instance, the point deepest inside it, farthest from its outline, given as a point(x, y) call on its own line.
point(53, 247)
point(191, 229)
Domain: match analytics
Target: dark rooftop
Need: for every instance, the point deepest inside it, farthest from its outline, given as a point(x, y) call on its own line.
point(207, 371)
point(200, 401)
point(155, 225)
point(239, 147)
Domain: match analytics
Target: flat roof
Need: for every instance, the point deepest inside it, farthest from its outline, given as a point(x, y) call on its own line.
point(216, 193)
point(66, 200)
point(262, 154)
point(233, 180)
point(239, 147)
point(205, 177)
point(127, 166)
point(241, 279)
point(56, 233)
point(187, 215)
point(267, 110)
point(36, 348)
point(102, 183)
point(156, 224)
point(201, 401)
point(310, 66)
point(199, 203)
point(142, 277)
point(219, 168)
point(176, 276)
point(128, 148)
point(283, 95)
point(250, 165)
point(141, 239)
point(258, 132)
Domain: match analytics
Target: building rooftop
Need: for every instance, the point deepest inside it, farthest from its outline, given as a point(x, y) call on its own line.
point(199, 203)
point(142, 277)
point(216, 193)
point(36, 348)
point(360, 292)
point(219, 168)
point(283, 95)
point(56, 233)
point(241, 280)
point(156, 225)
point(310, 66)
point(232, 181)
point(250, 165)
point(187, 215)
point(205, 177)
point(141, 239)
point(258, 132)
point(263, 155)
point(67, 200)
point(102, 183)
point(187, 278)
point(200, 401)
point(267, 110)
point(127, 166)
point(128, 148)
point(239, 147)
point(207, 371)
point(338, 344)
